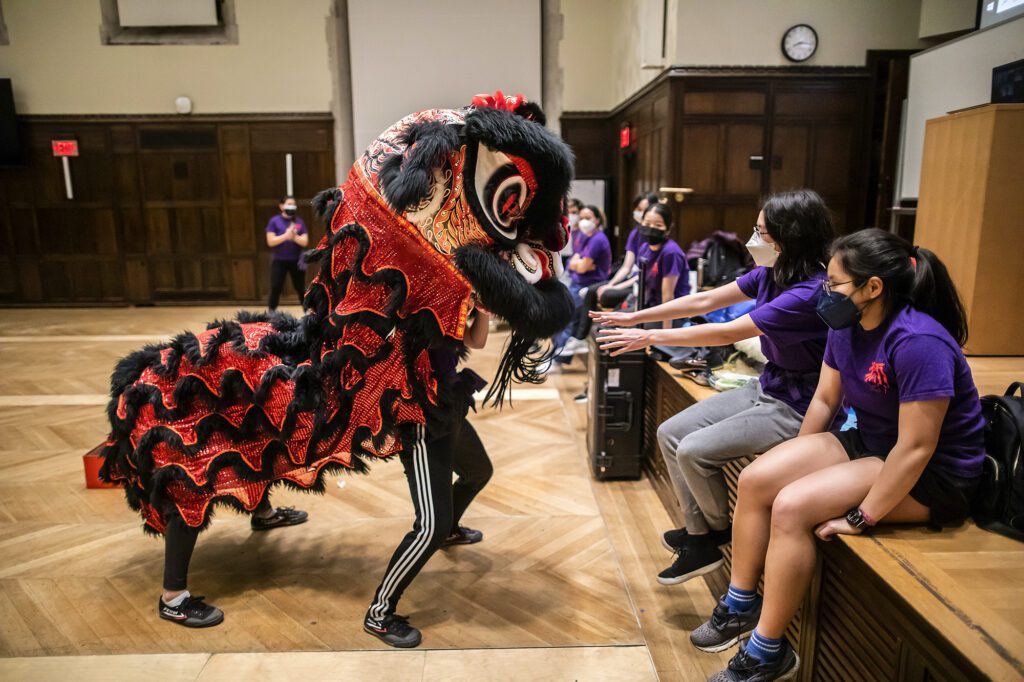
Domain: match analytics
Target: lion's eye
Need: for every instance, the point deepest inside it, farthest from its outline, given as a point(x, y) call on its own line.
point(501, 190)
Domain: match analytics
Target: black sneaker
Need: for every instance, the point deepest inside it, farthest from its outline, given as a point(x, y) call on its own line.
point(283, 516)
point(580, 397)
point(193, 612)
point(725, 628)
point(674, 540)
point(744, 667)
point(696, 558)
point(394, 630)
point(722, 537)
point(463, 536)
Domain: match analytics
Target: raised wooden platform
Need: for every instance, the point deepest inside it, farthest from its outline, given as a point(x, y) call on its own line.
point(902, 602)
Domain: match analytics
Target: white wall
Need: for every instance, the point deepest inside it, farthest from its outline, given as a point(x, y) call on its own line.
point(952, 76)
point(409, 55)
point(749, 32)
point(58, 66)
point(946, 16)
point(601, 49)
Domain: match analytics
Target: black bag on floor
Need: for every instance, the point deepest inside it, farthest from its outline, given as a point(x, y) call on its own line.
point(999, 505)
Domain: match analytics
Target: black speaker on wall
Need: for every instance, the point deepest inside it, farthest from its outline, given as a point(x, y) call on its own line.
point(1008, 83)
point(10, 143)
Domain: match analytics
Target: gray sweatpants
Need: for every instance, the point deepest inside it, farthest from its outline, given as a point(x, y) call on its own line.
point(700, 440)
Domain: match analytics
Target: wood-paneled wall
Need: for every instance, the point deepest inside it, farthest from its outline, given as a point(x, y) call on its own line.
point(704, 127)
point(164, 209)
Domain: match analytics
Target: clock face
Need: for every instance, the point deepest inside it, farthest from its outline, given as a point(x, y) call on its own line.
point(799, 43)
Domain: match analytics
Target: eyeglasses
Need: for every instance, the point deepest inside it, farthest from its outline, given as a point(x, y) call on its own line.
point(829, 286)
point(759, 232)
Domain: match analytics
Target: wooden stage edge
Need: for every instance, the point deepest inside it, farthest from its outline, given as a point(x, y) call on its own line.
point(904, 602)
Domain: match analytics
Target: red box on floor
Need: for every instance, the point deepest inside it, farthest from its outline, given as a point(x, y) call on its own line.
point(93, 462)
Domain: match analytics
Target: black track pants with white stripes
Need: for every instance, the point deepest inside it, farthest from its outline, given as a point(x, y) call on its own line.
point(438, 503)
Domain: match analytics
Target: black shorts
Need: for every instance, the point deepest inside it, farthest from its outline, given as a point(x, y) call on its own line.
point(947, 496)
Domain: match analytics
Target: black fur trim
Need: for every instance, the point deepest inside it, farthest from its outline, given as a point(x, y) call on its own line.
point(405, 178)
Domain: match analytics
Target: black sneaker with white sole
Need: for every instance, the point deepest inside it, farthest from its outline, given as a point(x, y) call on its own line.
point(698, 557)
point(282, 516)
point(393, 630)
point(463, 536)
point(193, 612)
point(675, 540)
point(725, 627)
point(745, 668)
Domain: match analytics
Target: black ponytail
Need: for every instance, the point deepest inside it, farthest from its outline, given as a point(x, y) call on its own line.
point(910, 275)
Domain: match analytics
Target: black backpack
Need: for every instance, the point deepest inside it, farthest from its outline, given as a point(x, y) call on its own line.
point(724, 261)
point(999, 505)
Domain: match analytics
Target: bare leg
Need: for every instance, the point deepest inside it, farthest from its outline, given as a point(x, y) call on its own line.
point(798, 509)
point(759, 484)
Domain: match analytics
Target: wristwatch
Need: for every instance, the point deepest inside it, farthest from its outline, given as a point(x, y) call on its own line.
point(855, 517)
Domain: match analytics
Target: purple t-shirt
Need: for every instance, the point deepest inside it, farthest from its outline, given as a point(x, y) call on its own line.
point(633, 241)
point(597, 248)
point(793, 335)
point(289, 251)
point(907, 358)
point(667, 261)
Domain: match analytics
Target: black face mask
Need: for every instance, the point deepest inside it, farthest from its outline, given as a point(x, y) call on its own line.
point(837, 310)
point(290, 212)
point(653, 236)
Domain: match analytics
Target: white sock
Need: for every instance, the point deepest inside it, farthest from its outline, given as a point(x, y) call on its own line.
point(177, 601)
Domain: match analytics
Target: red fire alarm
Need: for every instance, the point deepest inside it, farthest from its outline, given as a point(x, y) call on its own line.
point(625, 136)
point(64, 147)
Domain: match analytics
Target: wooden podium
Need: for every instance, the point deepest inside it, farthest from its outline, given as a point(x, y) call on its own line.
point(971, 214)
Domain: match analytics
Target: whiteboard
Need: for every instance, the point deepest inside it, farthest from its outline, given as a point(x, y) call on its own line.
point(954, 75)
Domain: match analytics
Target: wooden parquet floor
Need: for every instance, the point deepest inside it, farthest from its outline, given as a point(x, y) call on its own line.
point(561, 588)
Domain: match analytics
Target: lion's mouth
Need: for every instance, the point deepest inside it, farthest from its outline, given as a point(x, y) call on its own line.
point(533, 261)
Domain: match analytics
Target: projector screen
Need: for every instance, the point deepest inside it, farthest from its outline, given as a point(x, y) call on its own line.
point(994, 11)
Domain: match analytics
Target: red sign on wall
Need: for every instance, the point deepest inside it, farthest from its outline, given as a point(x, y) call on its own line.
point(64, 147)
point(625, 136)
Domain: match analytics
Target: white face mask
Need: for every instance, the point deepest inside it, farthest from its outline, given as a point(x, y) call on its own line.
point(638, 216)
point(574, 219)
point(587, 226)
point(764, 253)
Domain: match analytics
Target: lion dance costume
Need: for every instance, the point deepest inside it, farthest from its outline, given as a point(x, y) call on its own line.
point(445, 210)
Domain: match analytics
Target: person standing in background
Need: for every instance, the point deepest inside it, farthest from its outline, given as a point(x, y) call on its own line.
point(287, 237)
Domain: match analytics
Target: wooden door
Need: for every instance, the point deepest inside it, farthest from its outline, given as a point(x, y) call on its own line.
point(723, 145)
point(180, 177)
point(815, 133)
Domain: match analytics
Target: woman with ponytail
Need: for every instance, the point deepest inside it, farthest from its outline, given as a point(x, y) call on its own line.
point(893, 354)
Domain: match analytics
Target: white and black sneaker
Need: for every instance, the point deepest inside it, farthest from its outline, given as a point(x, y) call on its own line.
point(675, 540)
point(725, 627)
point(745, 668)
point(192, 612)
point(282, 516)
point(393, 630)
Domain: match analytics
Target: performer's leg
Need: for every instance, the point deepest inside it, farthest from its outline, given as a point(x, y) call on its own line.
point(298, 279)
point(176, 603)
point(474, 469)
point(277, 273)
point(428, 469)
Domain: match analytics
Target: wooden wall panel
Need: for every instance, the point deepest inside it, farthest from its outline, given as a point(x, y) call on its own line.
point(165, 209)
point(700, 127)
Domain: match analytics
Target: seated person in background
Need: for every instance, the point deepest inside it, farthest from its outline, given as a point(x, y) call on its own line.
point(790, 245)
point(893, 353)
point(614, 292)
point(590, 263)
point(668, 274)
